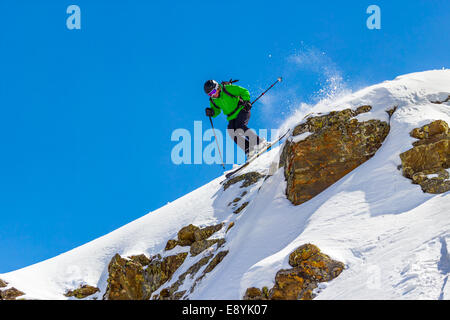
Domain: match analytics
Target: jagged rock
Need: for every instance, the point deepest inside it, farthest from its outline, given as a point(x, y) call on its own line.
point(160, 271)
point(205, 233)
point(186, 235)
point(248, 178)
point(302, 253)
point(429, 130)
point(215, 261)
point(314, 264)
point(242, 207)
point(10, 294)
point(178, 295)
point(429, 156)
point(338, 144)
point(253, 294)
point(291, 285)
point(310, 267)
point(164, 294)
point(190, 234)
point(3, 284)
point(363, 109)
point(82, 292)
point(234, 201)
point(201, 245)
point(128, 280)
point(171, 244)
point(142, 259)
point(170, 293)
point(318, 123)
point(231, 225)
point(391, 111)
point(440, 102)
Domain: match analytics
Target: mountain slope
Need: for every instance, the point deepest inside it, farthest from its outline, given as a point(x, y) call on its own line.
point(391, 236)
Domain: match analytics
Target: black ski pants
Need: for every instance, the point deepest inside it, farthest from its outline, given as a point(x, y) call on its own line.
point(237, 129)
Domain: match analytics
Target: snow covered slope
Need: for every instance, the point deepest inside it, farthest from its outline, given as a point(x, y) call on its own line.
point(392, 237)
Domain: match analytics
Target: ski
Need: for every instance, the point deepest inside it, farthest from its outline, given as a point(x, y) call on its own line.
point(232, 173)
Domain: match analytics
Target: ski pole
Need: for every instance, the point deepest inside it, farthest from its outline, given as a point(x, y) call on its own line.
point(215, 137)
point(278, 80)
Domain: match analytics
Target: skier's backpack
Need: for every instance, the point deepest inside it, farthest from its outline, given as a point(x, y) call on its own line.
point(231, 81)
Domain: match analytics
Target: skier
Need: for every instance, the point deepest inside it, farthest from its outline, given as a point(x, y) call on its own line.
point(235, 103)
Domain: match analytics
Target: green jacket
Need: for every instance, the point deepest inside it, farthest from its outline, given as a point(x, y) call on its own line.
point(227, 103)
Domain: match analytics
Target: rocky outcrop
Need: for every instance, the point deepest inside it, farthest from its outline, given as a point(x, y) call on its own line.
point(138, 277)
point(201, 245)
point(426, 163)
point(215, 261)
point(82, 292)
point(337, 143)
point(171, 293)
point(190, 234)
point(160, 271)
point(247, 178)
point(126, 280)
point(310, 267)
point(241, 207)
point(441, 102)
point(10, 294)
point(129, 280)
point(205, 233)
point(141, 258)
point(257, 294)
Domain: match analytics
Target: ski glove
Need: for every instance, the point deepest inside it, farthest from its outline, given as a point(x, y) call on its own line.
point(209, 112)
point(247, 105)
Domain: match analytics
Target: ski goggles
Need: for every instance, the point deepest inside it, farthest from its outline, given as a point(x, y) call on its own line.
point(213, 91)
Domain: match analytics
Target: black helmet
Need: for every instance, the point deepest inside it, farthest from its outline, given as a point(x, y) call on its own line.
point(210, 85)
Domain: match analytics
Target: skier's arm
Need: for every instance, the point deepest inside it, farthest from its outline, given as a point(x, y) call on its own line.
point(239, 91)
point(217, 111)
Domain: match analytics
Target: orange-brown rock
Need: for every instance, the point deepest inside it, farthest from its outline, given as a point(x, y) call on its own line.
point(426, 163)
point(160, 271)
point(215, 261)
point(201, 245)
point(190, 234)
point(171, 244)
point(253, 294)
point(248, 179)
point(231, 225)
point(242, 207)
point(141, 258)
point(3, 284)
point(338, 144)
point(10, 294)
point(205, 233)
point(171, 292)
point(310, 267)
point(186, 235)
point(82, 292)
point(128, 280)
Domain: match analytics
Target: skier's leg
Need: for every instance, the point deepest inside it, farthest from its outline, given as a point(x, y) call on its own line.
point(241, 122)
point(238, 136)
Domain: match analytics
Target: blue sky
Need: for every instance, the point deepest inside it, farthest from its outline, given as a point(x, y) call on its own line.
point(87, 115)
